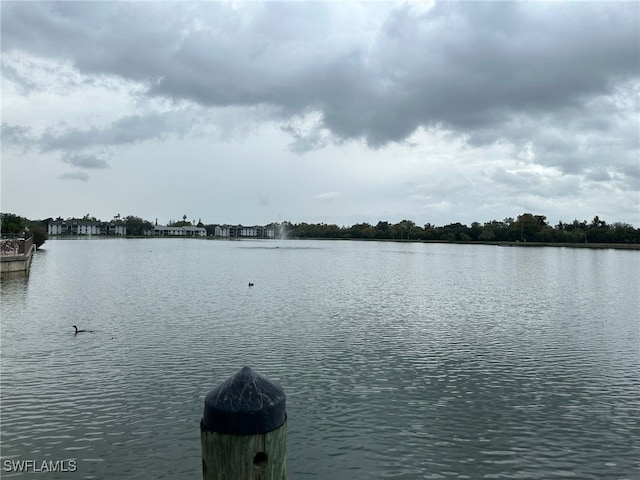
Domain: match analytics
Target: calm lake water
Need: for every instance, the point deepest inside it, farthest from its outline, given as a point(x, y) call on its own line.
point(404, 361)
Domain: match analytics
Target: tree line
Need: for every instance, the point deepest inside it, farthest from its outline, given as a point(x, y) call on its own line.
point(525, 228)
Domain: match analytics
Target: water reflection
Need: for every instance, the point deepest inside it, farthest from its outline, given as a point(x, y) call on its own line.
point(12, 279)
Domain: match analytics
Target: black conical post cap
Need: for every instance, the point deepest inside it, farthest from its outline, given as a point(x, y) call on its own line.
point(247, 403)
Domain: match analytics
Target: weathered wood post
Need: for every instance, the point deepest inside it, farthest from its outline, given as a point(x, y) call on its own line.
point(243, 430)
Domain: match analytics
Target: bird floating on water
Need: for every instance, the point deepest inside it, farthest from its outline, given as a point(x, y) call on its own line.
point(81, 331)
point(251, 284)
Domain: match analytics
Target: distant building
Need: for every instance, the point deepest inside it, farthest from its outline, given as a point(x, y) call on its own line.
point(78, 227)
point(239, 231)
point(169, 231)
point(221, 231)
point(195, 231)
point(75, 227)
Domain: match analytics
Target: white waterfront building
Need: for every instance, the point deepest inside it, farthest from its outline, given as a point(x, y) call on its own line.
point(169, 231)
point(74, 227)
point(77, 227)
point(235, 231)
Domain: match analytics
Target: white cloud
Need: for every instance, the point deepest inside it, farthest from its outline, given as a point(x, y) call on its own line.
point(327, 196)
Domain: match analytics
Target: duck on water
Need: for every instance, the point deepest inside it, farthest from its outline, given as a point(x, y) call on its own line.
point(81, 331)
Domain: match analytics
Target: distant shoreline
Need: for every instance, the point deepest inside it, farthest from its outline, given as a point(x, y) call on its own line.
point(616, 246)
point(619, 246)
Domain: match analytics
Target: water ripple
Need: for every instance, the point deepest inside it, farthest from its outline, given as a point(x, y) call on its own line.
point(399, 361)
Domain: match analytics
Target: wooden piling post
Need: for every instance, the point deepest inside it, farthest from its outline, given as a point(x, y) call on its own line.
point(243, 431)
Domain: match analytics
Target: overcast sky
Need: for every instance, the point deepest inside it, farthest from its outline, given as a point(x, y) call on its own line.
point(248, 112)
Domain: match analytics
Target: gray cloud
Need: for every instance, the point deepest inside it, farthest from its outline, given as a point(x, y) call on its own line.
point(127, 130)
point(76, 143)
point(303, 141)
point(15, 135)
point(558, 83)
point(466, 65)
point(87, 161)
point(82, 176)
point(23, 85)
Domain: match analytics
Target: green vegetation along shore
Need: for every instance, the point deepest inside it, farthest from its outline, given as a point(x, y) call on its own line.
point(13, 225)
point(525, 230)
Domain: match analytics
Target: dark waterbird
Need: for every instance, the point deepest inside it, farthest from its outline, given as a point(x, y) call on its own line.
point(251, 284)
point(81, 331)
